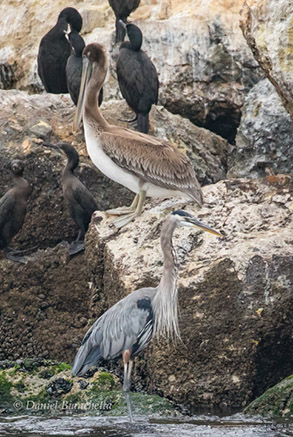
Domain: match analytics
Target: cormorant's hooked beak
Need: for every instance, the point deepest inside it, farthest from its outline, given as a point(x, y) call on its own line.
point(190, 221)
point(85, 77)
point(123, 24)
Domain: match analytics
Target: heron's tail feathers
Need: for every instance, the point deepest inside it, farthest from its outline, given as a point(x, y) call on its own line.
point(86, 357)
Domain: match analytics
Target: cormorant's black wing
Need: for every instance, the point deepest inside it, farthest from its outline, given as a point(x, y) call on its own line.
point(138, 80)
point(7, 203)
point(85, 199)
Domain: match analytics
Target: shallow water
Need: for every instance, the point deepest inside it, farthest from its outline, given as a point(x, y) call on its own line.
point(196, 426)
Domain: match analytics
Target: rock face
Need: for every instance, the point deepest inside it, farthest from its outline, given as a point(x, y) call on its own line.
point(267, 27)
point(234, 293)
point(36, 386)
point(275, 402)
point(205, 66)
point(264, 137)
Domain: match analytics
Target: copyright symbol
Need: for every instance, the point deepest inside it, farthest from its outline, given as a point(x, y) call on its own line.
point(18, 405)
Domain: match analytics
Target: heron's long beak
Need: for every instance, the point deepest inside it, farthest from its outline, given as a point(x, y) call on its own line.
point(196, 223)
point(85, 77)
point(122, 24)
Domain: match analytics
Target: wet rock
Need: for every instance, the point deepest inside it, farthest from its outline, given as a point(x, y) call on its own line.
point(275, 402)
point(234, 293)
point(59, 387)
point(264, 137)
point(267, 27)
point(31, 393)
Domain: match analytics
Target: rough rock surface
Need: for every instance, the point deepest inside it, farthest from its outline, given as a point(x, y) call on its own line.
point(267, 27)
point(275, 402)
point(35, 386)
point(204, 64)
point(264, 136)
point(235, 293)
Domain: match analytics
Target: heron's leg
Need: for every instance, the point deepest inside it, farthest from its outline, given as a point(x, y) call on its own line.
point(126, 382)
point(122, 221)
point(124, 209)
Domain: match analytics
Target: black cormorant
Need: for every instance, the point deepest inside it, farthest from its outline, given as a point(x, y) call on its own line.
point(122, 9)
point(78, 199)
point(137, 77)
point(74, 67)
point(54, 51)
point(13, 209)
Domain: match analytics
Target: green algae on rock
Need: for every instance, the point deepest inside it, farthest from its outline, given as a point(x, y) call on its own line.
point(275, 402)
point(45, 386)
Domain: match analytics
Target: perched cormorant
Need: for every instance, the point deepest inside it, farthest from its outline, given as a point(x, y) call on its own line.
point(121, 10)
point(74, 67)
point(137, 77)
point(78, 199)
point(13, 209)
point(54, 51)
point(148, 166)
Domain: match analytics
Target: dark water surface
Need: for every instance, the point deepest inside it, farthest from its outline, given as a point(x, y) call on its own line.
point(201, 426)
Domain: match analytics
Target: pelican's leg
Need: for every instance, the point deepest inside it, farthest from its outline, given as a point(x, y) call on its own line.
point(124, 209)
point(122, 221)
point(126, 382)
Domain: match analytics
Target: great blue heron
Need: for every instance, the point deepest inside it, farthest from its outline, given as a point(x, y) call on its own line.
point(13, 207)
point(148, 166)
point(129, 325)
point(79, 201)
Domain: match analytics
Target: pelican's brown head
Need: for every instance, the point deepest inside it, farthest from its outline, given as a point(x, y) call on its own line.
point(96, 55)
point(94, 71)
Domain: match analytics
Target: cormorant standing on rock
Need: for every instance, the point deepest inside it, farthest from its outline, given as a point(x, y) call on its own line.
point(74, 67)
point(137, 77)
point(78, 199)
point(122, 9)
point(13, 210)
point(54, 51)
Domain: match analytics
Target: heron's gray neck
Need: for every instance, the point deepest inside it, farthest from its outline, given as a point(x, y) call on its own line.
point(165, 301)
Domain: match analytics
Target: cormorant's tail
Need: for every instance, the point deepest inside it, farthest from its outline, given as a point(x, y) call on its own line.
point(86, 357)
point(143, 123)
point(120, 32)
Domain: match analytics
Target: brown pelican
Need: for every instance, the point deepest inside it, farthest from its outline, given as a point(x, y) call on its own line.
point(148, 166)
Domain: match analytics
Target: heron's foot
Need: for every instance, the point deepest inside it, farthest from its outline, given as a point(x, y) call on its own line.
point(76, 247)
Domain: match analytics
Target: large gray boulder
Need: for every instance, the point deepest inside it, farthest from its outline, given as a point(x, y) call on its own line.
point(264, 136)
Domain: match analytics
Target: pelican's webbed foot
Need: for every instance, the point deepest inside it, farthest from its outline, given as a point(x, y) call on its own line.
point(76, 247)
point(125, 209)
